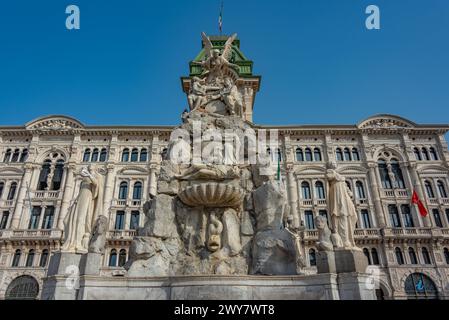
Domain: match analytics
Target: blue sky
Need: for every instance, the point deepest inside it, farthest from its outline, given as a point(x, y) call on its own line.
point(318, 62)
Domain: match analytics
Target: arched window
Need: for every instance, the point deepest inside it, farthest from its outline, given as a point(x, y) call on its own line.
point(412, 255)
point(306, 195)
point(125, 155)
point(420, 286)
point(396, 169)
point(137, 191)
point(425, 154)
point(7, 157)
point(426, 255)
point(360, 190)
point(355, 154)
point(375, 256)
point(16, 258)
point(317, 154)
point(299, 155)
point(143, 155)
point(429, 189)
point(417, 154)
point(384, 176)
point(368, 257)
point(433, 154)
point(319, 188)
point(95, 155)
point(347, 154)
point(2, 187)
point(308, 153)
point(15, 155)
point(446, 255)
point(399, 256)
point(103, 155)
point(57, 176)
point(86, 156)
point(12, 191)
point(24, 155)
point(441, 189)
point(22, 288)
point(134, 155)
point(30, 258)
point(113, 258)
point(43, 176)
point(123, 191)
point(44, 258)
point(122, 258)
point(312, 257)
point(339, 154)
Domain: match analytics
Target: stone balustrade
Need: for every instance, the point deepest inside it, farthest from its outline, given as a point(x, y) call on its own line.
point(121, 234)
point(31, 234)
point(127, 203)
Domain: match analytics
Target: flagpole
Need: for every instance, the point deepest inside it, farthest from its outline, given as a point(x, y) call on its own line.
point(220, 19)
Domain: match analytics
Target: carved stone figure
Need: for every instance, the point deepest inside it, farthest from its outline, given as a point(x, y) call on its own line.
point(98, 240)
point(216, 65)
point(88, 206)
point(324, 235)
point(342, 209)
point(232, 98)
point(197, 97)
point(214, 233)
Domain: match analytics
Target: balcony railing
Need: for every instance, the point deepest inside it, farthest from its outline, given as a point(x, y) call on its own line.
point(46, 194)
point(367, 233)
point(396, 193)
point(127, 203)
point(7, 203)
point(31, 234)
point(122, 234)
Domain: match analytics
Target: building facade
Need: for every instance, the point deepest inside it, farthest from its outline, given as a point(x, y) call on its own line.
point(383, 158)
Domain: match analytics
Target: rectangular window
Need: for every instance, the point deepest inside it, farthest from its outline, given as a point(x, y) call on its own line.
point(48, 218)
point(366, 219)
point(309, 219)
point(135, 217)
point(120, 220)
point(34, 219)
point(437, 218)
point(447, 220)
point(407, 216)
point(394, 216)
point(4, 221)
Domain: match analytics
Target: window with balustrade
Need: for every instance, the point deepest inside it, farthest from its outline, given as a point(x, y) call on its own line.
point(47, 222)
point(446, 255)
point(135, 220)
point(394, 216)
point(312, 257)
point(360, 190)
point(120, 220)
point(4, 220)
point(399, 256)
point(310, 224)
point(52, 172)
point(429, 189)
point(426, 256)
point(412, 256)
point(34, 218)
point(441, 189)
point(137, 191)
point(437, 218)
point(366, 220)
point(407, 216)
point(44, 258)
point(397, 172)
point(319, 188)
point(123, 191)
point(305, 188)
point(384, 174)
point(113, 258)
point(30, 258)
point(16, 258)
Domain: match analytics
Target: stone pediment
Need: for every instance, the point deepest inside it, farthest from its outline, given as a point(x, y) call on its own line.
point(54, 124)
point(133, 170)
point(385, 121)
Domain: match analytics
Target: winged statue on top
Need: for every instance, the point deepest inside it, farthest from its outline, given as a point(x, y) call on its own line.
point(216, 64)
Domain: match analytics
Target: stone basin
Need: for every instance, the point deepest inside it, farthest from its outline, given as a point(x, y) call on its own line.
point(218, 195)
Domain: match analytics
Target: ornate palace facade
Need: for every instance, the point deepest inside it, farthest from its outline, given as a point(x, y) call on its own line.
point(383, 158)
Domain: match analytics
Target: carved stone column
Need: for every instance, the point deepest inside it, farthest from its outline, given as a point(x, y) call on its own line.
point(293, 197)
point(153, 181)
point(22, 196)
point(376, 196)
point(68, 195)
point(108, 189)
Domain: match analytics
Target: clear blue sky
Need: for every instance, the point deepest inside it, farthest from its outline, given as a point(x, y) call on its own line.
point(318, 62)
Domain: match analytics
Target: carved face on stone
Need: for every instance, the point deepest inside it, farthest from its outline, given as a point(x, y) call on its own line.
point(215, 53)
point(320, 222)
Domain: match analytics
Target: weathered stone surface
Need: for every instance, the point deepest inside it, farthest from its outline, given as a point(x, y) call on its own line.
point(269, 203)
point(247, 224)
point(325, 262)
point(231, 232)
point(350, 261)
point(161, 218)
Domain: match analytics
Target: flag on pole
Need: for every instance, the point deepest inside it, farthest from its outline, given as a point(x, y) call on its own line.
point(279, 168)
point(220, 19)
point(415, 200)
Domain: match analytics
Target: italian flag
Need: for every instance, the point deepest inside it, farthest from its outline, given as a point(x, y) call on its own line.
point(418, 202)
point(220, 19)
